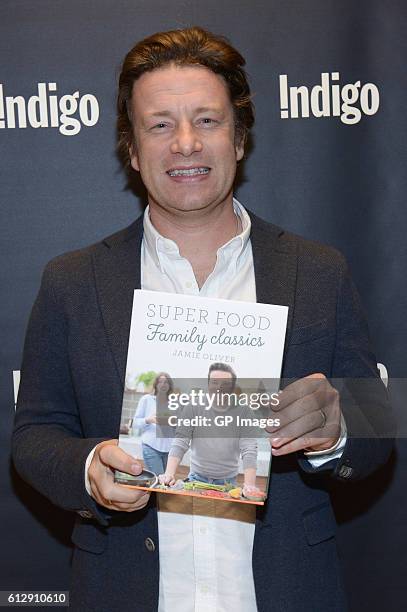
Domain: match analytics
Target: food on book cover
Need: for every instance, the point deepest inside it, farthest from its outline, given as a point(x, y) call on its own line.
point(202, 377)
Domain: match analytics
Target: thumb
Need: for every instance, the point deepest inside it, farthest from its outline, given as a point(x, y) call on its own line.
point(117, 459)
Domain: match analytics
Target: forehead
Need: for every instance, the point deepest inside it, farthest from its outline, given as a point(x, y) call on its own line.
point(219, 374)
point(179, 86)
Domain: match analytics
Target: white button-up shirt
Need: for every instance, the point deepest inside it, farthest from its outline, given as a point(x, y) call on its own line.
point(205, 545)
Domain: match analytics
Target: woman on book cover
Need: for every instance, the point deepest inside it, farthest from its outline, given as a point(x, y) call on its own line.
point(149, 418)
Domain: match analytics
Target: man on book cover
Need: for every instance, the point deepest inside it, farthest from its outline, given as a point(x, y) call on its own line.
point(184, 114)
point(215, 451)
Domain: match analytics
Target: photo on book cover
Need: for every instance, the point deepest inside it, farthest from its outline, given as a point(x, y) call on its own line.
point(202, 377)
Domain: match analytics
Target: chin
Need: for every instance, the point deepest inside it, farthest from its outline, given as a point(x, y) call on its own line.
point(188, 206)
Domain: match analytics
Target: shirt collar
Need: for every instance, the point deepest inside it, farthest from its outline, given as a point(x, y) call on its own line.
point(156, 244)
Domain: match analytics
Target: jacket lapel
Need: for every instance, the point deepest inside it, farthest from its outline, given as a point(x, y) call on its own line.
point(117, 274)
point(275, 267)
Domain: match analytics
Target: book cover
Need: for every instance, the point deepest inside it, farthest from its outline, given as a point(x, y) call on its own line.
point(202, 377)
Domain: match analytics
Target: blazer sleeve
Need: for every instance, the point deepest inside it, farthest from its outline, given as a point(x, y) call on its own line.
point(48, 447)
point(364, 399)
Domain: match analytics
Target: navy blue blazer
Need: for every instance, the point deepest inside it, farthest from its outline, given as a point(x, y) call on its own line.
point(70, 399)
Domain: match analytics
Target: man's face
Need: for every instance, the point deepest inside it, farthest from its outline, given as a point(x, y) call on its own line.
point(184, 138)
point(220, 381)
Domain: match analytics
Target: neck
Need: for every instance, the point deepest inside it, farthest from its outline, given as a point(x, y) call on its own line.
point(198, 235)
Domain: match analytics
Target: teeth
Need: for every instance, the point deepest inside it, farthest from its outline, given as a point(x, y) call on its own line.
point(188, 171)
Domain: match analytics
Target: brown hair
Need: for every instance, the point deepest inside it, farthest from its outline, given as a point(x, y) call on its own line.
point(221, 367)
point(168, 379)
point(184, 47)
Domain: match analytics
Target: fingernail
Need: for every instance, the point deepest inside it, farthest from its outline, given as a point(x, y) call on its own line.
point(135, 468)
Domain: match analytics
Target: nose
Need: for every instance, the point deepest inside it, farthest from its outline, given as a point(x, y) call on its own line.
point(186, 140)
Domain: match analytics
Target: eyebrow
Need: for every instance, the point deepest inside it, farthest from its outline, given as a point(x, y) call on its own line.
point(200, 109)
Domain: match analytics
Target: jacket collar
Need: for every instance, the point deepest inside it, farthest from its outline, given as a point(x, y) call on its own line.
point(116, 262)
point(275, 266)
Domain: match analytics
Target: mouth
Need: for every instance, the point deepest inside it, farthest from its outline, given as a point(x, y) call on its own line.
point(188, 172)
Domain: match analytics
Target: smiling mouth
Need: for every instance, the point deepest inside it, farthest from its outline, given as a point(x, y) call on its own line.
point(189, 171)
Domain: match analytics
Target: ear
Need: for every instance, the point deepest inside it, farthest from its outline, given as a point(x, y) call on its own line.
point(134, 157)
point(239, 148)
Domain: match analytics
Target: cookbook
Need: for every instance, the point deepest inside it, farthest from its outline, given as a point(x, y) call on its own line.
point(202, 379)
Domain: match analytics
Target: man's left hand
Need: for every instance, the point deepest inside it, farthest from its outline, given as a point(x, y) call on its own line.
point(310, 416)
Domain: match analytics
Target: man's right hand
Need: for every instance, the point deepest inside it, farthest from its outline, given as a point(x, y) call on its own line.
point(107, 458)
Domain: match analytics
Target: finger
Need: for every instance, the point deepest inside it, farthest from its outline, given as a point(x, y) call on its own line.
point(129, 507)
point(294, 411)
point(117, 459)
point(115, 499)
point(297, 445)
point(121, 493)
point(118, 507)
point(327, 436)
point(299, 389)
point(297, 428)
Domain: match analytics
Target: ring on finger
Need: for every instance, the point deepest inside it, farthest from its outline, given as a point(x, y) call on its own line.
point(323, 418)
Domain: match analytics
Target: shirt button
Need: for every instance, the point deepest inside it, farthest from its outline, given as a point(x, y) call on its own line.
point(204, 589)
point(202, 530)
point(188, 285)
point(149, 544)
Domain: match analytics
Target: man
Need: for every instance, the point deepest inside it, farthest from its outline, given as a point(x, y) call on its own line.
point(213, 459)
point(184, 114)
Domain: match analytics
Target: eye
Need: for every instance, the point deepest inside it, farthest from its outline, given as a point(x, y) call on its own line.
point(207, 121)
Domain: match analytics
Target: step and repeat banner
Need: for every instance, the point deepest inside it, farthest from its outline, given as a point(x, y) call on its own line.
point(326, 159)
